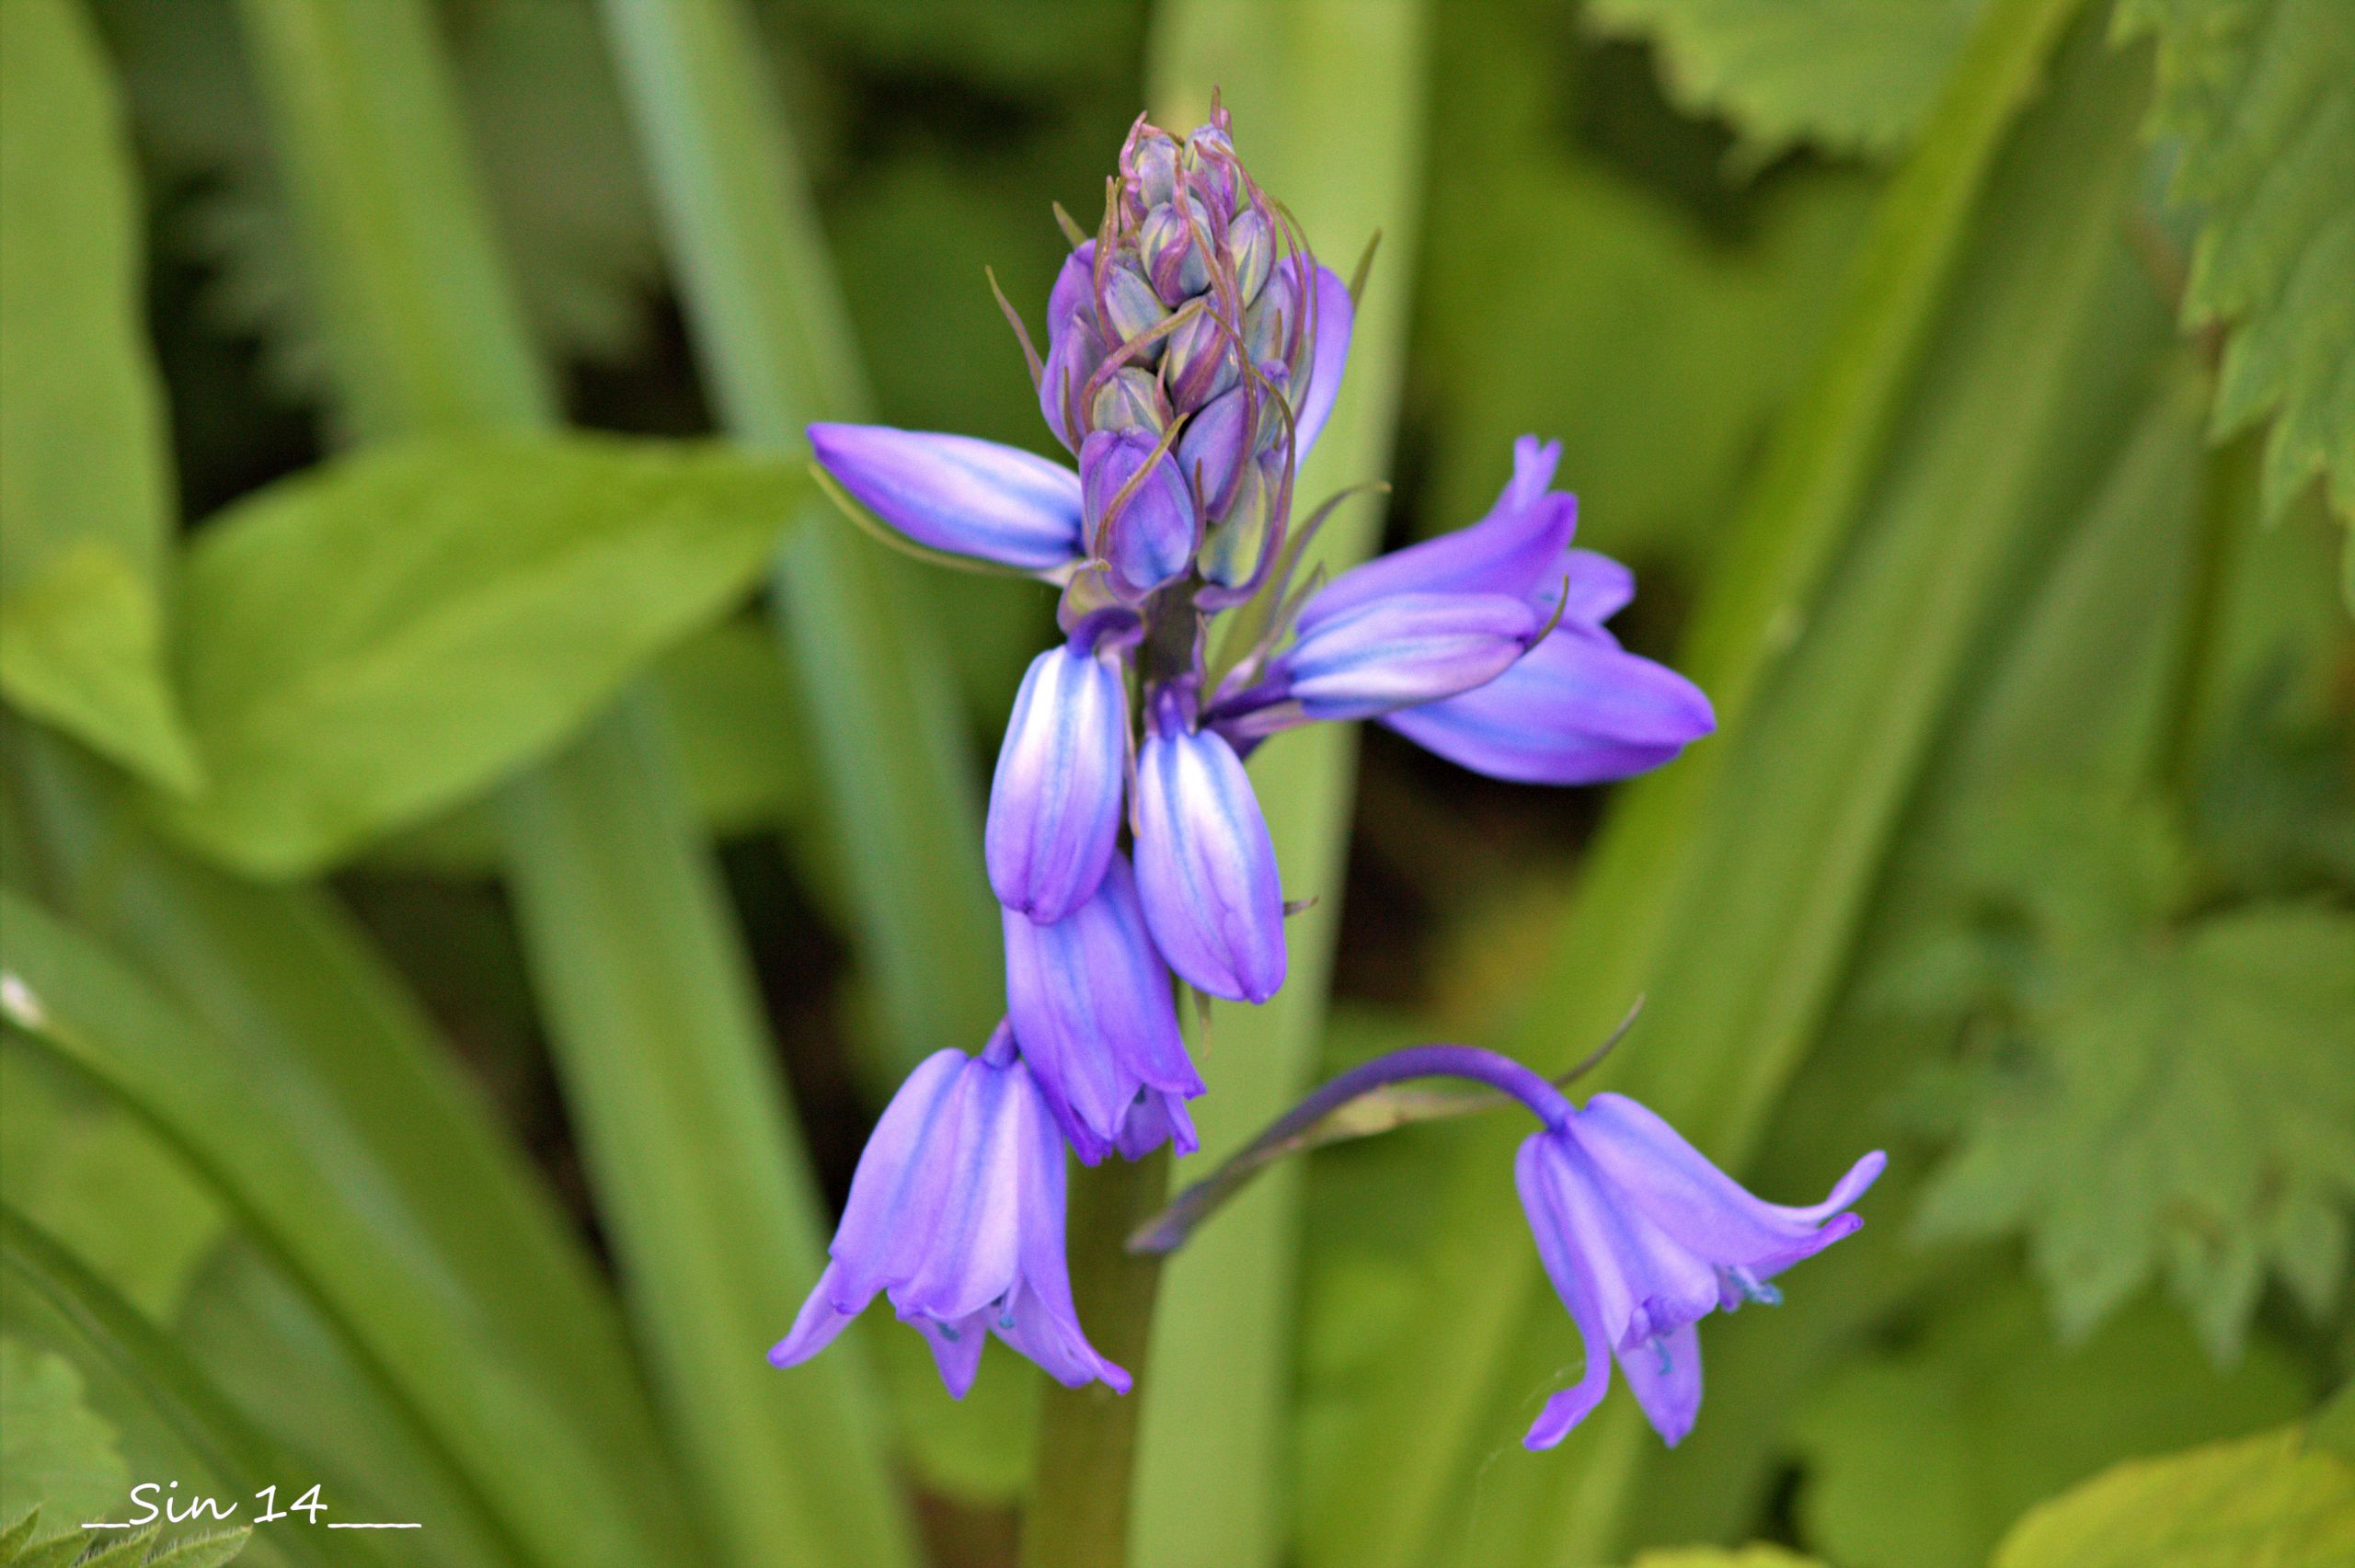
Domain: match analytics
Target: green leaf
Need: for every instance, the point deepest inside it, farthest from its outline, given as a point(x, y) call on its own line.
point(1847, 76)
point(92, 1177)
point(13, 1539)
point(2257, 99)
point(203, 1550)
point(56, 1453)
point(773, 341)
point(320, 1204)
point(1919, 1459)
point(86, 503)
point(211, 1432)
point(2268, 1500)
point(1657, 352)
point(2185, 1100)
point(491, 596)
point(739, 728)
point(1718, 1557)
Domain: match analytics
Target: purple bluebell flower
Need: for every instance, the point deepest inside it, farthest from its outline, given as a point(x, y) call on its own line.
point(1055, 802)
point(1405, 648)
point(1090, 1002)
point(956, 1213)
point(953, 493)
point(1643, 1237)
point(1206, 866)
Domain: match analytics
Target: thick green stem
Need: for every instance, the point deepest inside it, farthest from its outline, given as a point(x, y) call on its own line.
point(1078, 1516)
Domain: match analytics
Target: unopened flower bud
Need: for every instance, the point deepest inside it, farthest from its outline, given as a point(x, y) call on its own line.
point(1130, 399)
point(1172, 243)
point(1214, 447)
point(1233, 544)
point(1209, 159)
point(1150, 164)
point(1405, 648)
point(1251, 246)
point(1056, 801)
point(1206, 866)
point(1201, 362)
point(1271, 326)
point(1132, 309)
point(1152, 533)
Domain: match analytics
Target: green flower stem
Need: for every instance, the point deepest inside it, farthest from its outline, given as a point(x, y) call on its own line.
point(1078, 1516)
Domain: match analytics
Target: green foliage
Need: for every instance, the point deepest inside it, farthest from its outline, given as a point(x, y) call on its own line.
point(534, 86)
point(1919, 1459)
point(2161, 1092)
point(1715, 1557)
point(2270, 1500)
point(1654, 350)
point(85, 496)
point(492, 598)
point(100, 1183)
point(55, 1451)
point(1848, 75)
point(2257, 101)
point(143, 1549)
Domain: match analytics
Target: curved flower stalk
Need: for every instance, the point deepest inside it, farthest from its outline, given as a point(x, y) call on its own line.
point(1195, 349)
point(1641, 1235)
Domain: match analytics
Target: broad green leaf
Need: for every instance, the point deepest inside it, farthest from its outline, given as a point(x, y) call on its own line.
point(740, 729)
point(1717, 1557)
point(1729, 886)
point(2257, 101)
point(1919, 1459)
point(1329, 98)
point(773, 339)
point(321, 1206)
point(389, 634)
point(2269, 1500)
point(231, 1457)
point(56, 1453)
point(85, 495)
point(1847, 76)
point(92, 1177)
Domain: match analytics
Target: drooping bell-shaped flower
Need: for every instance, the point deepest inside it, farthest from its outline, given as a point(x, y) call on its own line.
point(1055, 802)
point(1090, 1002)
point(1642, 1238)
point(954, 493)
point(956, 1213)
point(1206, 866)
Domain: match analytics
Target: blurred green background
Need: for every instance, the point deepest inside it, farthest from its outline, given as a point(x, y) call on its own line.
point(479, 849)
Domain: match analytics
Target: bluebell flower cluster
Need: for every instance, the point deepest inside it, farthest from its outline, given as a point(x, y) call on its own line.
point(1195, 349)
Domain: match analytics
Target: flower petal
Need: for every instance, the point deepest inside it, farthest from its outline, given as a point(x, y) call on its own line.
point(1666, 1376)
point(1645, 1283)
point(900, 1184)
point(1576, 709)
point(1518, 549)
point(974, 1254)
point(1599, 588)
point(820, 1320)
point(1093, 1013)
point(1206, 866)
point(956, 1347)
point(1403, 649)
point(1056, 801)
point(1328, 357)
point(954, 493)
point(1566, 1269)
point(1679, 1189)
point(1153, 537)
